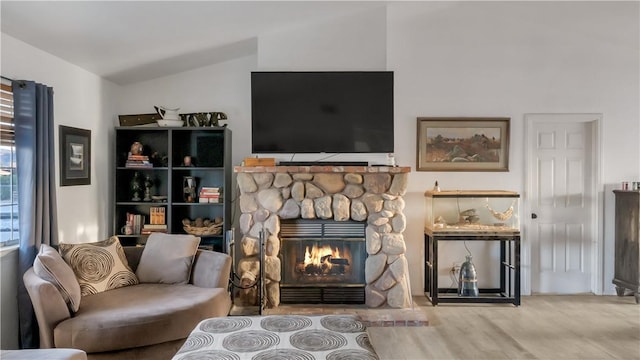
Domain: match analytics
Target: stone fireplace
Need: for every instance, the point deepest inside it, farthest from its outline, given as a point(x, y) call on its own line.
point(332, 234)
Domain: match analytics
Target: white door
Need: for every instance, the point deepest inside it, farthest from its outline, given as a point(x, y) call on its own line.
point(562, 201)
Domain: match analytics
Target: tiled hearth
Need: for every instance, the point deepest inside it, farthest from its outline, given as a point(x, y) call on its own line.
point(371, 195)
point(370, 317)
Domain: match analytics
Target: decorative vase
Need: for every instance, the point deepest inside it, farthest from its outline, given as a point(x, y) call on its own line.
point(468, 280)
point(189, 189)
point(136, 186)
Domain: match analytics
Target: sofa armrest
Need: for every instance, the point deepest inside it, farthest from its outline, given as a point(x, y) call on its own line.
point(211, 269)
point(48, 305)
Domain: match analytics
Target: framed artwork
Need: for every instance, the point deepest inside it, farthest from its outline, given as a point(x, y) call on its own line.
point(462, 144)
point(75, 156)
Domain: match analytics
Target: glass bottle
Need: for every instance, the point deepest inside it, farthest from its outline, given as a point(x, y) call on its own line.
point(468, 280)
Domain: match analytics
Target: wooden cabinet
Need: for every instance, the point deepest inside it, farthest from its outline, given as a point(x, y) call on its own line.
point(166, 148)
point(627, 251)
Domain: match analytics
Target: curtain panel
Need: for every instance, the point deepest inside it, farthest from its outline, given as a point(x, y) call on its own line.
point(35, 152)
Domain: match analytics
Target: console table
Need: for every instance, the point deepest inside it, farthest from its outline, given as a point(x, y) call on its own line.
point(509, 290)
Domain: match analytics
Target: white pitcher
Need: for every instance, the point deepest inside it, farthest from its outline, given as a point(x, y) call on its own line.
point(167, 114)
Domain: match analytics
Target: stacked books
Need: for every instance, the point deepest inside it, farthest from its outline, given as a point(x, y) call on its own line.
point(209, 194)
point(138, 161)
point(157, 221)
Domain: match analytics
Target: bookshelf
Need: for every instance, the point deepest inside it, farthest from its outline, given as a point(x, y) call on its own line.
point(149, 183)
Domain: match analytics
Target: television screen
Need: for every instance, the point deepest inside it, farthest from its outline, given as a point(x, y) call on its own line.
point(322, 112)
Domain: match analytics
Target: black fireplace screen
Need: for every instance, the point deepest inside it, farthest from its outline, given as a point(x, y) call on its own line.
point(322, 253)
point(323, 261)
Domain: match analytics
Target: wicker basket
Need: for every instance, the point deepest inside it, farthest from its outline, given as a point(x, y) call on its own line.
point(215, 229)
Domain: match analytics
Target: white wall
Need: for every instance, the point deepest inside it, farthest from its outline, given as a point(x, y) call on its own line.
point(449, 59)
point(508, 59)
point(222, 87)
point(82, 100)
point(351, 42)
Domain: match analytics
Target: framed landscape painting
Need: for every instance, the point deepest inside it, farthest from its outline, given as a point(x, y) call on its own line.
point(75, 156)
point(463, 144)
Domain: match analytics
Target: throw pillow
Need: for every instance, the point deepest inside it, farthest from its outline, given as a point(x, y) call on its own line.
point(167, 258)
point(99, 266)
point(50, 266)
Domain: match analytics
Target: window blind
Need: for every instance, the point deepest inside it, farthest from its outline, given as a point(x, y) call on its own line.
point(7, 134)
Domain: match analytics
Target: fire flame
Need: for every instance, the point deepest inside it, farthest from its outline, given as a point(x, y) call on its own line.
point(316, 255)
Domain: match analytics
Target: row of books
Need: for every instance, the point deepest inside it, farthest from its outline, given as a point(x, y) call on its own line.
point(138, 226)
point(138, 161)
point(209, 194)
point(135, 221)
point(158, 215)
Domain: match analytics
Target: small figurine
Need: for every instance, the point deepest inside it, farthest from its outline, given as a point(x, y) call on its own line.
point(187, 161)
point(436, 187)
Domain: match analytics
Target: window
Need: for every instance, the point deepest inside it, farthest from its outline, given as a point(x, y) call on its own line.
point(9, 224)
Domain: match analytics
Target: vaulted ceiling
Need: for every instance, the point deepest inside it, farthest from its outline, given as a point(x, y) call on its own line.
point(131, 41)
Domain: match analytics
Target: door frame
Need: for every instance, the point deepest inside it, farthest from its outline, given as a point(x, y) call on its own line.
point(597, 212)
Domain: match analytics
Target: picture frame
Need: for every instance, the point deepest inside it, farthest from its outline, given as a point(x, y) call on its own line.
point(75, 156)
point(463, 144)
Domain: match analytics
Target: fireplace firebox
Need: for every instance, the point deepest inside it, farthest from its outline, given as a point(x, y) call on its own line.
point(322, 261)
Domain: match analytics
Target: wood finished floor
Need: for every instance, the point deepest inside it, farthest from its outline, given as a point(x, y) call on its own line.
point(544, 327)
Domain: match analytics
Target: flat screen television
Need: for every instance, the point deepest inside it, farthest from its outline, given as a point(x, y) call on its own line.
point(322, 112)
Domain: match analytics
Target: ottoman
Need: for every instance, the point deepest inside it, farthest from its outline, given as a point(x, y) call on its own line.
point(278, 337)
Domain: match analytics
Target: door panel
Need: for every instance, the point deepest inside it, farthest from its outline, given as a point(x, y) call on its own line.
point(561, 235)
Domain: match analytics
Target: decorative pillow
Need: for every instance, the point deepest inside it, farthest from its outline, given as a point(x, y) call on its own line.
point(99, 266)
point(167, 258)
point(50, 266)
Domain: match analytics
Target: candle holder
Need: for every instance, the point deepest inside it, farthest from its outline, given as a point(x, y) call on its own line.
point(148, 183)
point(135, 187)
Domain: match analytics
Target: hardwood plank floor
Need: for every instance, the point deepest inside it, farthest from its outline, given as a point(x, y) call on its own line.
point(544, 327)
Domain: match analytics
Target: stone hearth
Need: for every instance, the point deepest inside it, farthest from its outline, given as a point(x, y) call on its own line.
point(341, 193)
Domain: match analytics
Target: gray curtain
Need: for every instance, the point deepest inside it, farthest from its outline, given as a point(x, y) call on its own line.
point(34, 131)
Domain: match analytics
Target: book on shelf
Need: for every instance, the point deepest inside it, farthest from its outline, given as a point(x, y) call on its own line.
point(138, 157)
point(208, 199)
point(158, 215)
point(138, 164)
point(210, 189)
point(154, 227)
point(149, 232)
point(151, 228)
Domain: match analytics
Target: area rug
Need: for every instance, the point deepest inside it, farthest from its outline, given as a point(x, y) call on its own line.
point(282, 337)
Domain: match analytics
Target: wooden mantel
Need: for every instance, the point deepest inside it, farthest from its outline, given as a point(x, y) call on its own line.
point(323, 169)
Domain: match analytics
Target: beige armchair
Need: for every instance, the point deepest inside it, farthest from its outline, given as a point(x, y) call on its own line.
point(132, 316)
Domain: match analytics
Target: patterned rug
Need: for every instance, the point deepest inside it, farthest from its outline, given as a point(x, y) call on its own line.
point(282, 337)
